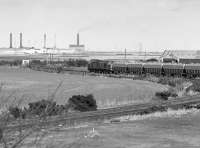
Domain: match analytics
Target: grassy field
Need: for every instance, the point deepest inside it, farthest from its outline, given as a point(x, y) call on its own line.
point(28, 85)
point(171, 129)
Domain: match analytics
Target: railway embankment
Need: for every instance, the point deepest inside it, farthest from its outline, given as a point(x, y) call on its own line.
point(109, 113)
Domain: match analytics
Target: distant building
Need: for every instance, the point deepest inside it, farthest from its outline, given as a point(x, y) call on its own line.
point(25, 62)
point(180, 54)
point(77, 47)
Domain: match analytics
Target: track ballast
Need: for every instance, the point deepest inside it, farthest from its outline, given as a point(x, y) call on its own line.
point(108, 113)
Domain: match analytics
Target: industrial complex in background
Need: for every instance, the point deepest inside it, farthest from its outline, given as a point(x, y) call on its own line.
point(20, 50)
point(78, 50)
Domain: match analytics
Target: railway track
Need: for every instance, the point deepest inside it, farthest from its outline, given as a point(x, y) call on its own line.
point(104, 113)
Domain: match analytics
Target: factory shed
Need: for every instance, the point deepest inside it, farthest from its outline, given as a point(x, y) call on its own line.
point(181, 56)
point(25, 62)
point(189, 61)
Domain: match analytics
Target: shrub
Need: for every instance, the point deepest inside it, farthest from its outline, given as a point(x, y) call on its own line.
point(43, 107)
point(164, 95)
point(38, 108)
point(82, 103)
point(163, 80)
point(16, 62)
point(152, 60)
point(11, 62)
point(59, 69)
point(170, 81)
point(38, 62)
point(195, 86)
point(75, 62)
point(15, 112)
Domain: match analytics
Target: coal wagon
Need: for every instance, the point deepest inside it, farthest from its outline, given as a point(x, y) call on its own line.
point(100, 66)
point(153, 68)
point(192, 70)
point(135, 68)
point(173, 69)
point(119, 68)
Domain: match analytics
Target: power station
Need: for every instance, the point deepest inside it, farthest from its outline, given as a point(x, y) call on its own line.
point(77, 47)
point(11, 41)
point(73, 48)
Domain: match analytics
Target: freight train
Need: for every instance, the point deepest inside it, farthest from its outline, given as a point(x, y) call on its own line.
point(158, 69)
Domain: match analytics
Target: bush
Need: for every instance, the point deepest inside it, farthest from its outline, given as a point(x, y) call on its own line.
point(38, 62)
point(16, 63)
point(75, 63)
point(164, 95)
point(38, 108)
point(15, 112)
point(195, 86)
point(11, 62)
point(82, 103)
point(170, 81)
point(59, 69)
point(163, 80)
point(43, 107)
point(152, 60)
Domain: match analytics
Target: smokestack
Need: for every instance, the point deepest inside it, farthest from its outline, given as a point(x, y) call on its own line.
point(45, 38)
point(77, 39)
point(20, 40)
point(55, 41)
point(10, 40)
point(125, 53)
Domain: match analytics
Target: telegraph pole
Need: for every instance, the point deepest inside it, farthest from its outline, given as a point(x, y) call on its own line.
point(125, 53)
point(45, 40)
point(20, 40)
point(11, 40)
point(54, 41)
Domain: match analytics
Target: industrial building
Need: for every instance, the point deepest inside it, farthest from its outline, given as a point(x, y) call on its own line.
point(168, 56)
point(77, 47)
point(181, 56)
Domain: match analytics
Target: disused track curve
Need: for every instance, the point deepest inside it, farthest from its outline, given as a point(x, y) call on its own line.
point(104, 113)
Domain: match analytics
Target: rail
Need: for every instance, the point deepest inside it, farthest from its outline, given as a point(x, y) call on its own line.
point(105, 113)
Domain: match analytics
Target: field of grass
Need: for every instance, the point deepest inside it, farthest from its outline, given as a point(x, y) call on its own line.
point(28, 85)
point(171, 129)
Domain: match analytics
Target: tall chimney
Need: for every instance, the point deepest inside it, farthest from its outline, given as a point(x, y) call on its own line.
point(10, 40)
point(20, 40)
point(45, 38)
point(55, 41)
point(77, 39)
point(125, 53)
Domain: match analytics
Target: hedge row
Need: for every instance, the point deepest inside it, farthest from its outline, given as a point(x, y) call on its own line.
point(68, 63)
point(10, 63)
point(195, 86)
point(170, 81)
point(51, 108)
point(164, 95)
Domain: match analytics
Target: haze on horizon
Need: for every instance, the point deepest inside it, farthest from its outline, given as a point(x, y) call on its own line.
point(103, 24)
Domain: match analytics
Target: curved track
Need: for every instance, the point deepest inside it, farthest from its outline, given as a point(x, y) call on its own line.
point(104, 113)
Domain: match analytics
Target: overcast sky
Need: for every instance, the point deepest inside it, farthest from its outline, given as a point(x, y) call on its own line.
point(103, 24)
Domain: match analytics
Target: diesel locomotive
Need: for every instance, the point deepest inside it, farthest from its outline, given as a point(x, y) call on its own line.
point(158, 69)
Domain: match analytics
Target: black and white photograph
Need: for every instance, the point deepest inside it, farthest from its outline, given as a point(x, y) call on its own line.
point(99, 73)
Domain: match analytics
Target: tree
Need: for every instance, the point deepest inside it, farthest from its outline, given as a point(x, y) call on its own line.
point(82, 103)
point(164, 95)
